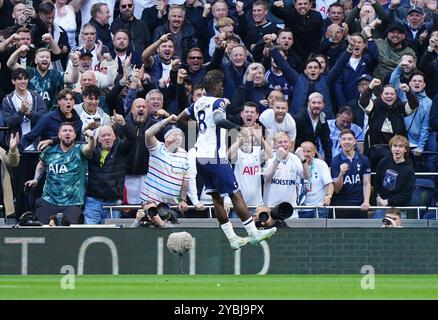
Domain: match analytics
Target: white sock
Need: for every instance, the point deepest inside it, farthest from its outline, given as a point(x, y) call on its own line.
point(250, 226)
point(227, 228)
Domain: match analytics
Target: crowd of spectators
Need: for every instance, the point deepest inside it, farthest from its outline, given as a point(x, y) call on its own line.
point(325, 92)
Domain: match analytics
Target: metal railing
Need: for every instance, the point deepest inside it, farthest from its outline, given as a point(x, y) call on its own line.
point(316, 208)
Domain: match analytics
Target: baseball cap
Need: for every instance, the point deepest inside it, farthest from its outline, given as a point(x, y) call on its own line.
point(84, 52)
point(365, 77)
point(415, 9)
point(396, 26)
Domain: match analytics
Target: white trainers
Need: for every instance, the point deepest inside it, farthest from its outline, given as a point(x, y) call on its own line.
point(238, 242)
point(261, 235)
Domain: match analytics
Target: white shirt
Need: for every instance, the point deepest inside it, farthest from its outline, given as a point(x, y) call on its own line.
point(320, 177)
point(247, 171)
point(210, 143)
point(282, 187)
point(288, 125)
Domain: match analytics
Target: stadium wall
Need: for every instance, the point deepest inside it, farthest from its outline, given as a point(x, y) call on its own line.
point(291, 251)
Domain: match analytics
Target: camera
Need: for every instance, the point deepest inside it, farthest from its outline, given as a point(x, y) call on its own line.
point(152, 212)
point(387, 221)
point(264, 216)
point(281, 211)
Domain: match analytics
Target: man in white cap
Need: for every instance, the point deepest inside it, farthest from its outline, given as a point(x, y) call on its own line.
point(167, 179)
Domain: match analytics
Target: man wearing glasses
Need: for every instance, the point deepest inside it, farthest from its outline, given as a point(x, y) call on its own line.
point(139, 34)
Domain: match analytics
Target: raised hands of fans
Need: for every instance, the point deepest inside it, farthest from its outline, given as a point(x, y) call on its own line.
point(47, 38)
point(117, 119)
point(171, 118)
point(89, 134)
point(375, 23)
point(374, 83)
point(126, 67)
point(22, 19)
point(74, 57)
point(394, 3)
point(162, 113)
point(206, 11)
point(268, 38)
point(343, 168)
point(239, 8)
point(182, 74)
point(13, 141)
point(279, 4)
point(176, 64)
point(99, 47)
point(165, 37)
point(30, 12)
point(404, 87)
point(24, 48)
point(282, 153)
point(432, 5)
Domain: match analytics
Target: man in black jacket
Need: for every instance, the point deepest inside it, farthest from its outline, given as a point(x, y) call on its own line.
point(137, 122)
point(139, 33)
point(312, 126)
point(106, 173)
point(306, 25)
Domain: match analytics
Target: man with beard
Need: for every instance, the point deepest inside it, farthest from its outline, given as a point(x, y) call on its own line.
point(137, 122)
point(47, 82)
point(122, 50)
point(138, 30)
point(306, 24)
point(159, 63)
point(312, 126)
point(106, 174)
point(278, 120)
point(391, 50)
point(65, 165)
point(103, 80)
point(182, 32)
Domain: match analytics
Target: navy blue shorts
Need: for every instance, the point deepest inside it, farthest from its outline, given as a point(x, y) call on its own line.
point(217, 178)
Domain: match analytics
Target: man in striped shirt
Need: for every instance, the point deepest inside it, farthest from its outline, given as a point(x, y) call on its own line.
point(167, 179)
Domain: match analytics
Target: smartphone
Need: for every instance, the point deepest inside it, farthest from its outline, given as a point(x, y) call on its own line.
point(29, 3)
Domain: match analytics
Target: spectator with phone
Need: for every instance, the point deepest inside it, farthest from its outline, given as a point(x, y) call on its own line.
point(92, 116)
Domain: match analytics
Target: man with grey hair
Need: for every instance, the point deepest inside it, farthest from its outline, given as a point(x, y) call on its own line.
point(106, 173)
point(312, 126)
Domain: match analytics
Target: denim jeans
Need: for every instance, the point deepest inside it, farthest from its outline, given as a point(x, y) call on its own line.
point(323, 213)
point(95, 214)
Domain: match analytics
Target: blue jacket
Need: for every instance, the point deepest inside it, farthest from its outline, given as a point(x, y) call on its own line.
point(300, 83)
point(48, 126)
point(346, 86)
point(417, 123)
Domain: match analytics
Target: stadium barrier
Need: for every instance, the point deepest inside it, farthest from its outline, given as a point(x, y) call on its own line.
point(302, 250)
